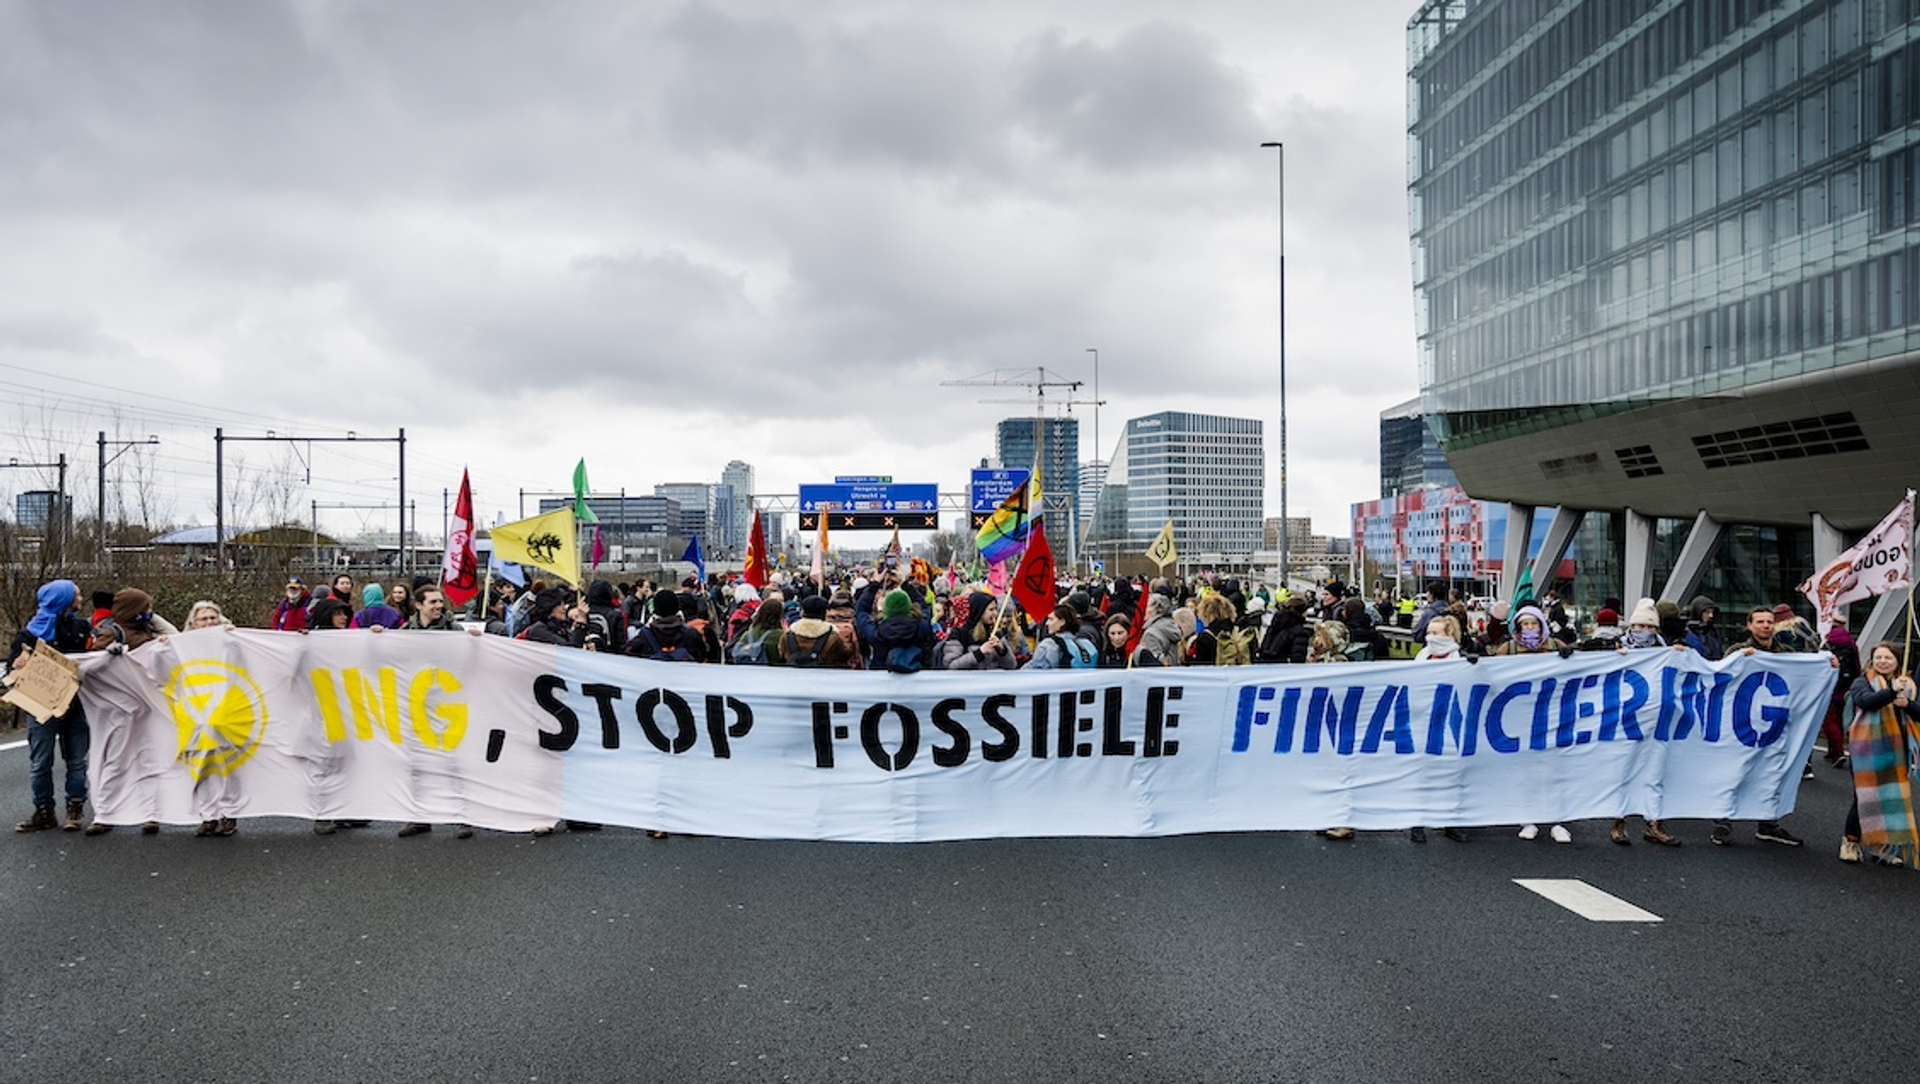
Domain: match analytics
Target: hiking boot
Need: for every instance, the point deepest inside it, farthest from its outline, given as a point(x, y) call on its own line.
point(413, 829)
point(1850, 851)
point(41, 820)
point(76, 812)
point(1721, 836)
point(1773, 833)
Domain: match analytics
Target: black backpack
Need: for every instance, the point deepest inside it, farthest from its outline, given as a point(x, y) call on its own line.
point(810, 656)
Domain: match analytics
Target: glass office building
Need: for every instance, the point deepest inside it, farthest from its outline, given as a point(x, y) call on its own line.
point(1205, 472)
point(1661, 252)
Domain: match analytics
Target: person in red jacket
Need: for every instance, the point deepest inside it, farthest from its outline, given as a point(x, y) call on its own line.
point(290, 615)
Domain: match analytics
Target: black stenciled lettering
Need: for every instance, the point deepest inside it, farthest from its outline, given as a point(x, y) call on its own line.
point(994, 711)
point(1038, 713)
point(870, 739)
point(604, 696)
point(496, 741)
point(1111, 743)
point(544, 687)
point(951, 756)
point(822, 734)
point(719, 732)
point(1083, 724)
point(686, 732)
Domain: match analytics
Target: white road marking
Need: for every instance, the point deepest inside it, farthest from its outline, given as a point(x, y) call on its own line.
point(1585, 900)
point(13, 745)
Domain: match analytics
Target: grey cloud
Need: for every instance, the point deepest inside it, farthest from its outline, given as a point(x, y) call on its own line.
point(1157, 97)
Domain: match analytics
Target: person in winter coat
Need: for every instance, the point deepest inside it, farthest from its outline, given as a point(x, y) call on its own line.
point(604, 617)
point(1061, 647)
point(58, 622)
point(1702, 636)
point(1361, 630)
point(1160, 642)
point(1118, 629)
point(1885, 723)
point(666, 635)
point(1834, 727)
point(290, 613)
point(1289, 635)
point(812, 640)
point(376, 611)
point(902, 639)
point(993, 643)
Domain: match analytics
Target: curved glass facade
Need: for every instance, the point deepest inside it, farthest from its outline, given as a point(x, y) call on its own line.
point(1619, 202)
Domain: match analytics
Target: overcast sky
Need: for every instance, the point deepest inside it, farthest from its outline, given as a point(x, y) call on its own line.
point(664, 235)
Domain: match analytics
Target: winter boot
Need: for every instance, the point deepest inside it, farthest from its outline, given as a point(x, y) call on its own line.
point(41, 820)
point(76, 812)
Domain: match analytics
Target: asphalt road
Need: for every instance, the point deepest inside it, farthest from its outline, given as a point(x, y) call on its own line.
point(277, 955)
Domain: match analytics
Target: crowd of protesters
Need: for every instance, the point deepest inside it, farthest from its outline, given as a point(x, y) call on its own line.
point(906, 620)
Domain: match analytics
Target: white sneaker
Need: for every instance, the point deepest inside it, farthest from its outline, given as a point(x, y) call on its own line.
point(1850, 850)
point(1529, 831)
point(1560, 834)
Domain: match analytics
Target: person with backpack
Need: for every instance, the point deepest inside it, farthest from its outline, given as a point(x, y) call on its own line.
point(812, 641)
point(1062, 648)
point(666, 636)
point(1218, 642)
point(604, 618)
point(902, 639)
point(1160, 640)
point(759, 643)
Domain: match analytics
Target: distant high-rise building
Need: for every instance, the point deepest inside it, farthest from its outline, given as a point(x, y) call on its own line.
point(1093, 476)
point(1204, 472)
point(35, 509)
point(1057, 442)
point(735, 498)
point(696, 508)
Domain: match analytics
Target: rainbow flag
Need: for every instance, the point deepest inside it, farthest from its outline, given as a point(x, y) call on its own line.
point(1005, 533)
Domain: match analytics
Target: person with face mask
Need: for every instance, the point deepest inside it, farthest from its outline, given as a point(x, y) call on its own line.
point(1531, 637)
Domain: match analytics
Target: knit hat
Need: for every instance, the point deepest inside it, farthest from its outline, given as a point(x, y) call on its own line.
point(1645, 613)
point(1783, 612)
point(1256, 604)
point(1607, 617)
point(897, 604)
point(371, 595)
point(1499, 610)
point(1667, 608)
point(745, 592)
point(841, 597)
point(813, 606)
point(666, 604)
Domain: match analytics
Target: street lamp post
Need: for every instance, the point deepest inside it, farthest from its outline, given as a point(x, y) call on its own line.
point(1280, 156)
point(100, 510)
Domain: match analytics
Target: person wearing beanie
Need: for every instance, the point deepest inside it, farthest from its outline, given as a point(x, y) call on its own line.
point(1643, 633)
point(1793, 632)
point(1531, 636)
point(1846, 657)
point(1673, 622)
point(135, 620)
point(666, 636)
point(376, 611)
point(57, 622)
point(812, 641)
point(902, 639)
point(1607, 633)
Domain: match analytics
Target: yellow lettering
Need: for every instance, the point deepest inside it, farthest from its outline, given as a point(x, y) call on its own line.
point(372, 706)
point(326, 697)
point(450, 715)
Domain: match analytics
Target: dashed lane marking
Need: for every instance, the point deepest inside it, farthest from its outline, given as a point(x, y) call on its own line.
point(1585, 900)
point(4, 746)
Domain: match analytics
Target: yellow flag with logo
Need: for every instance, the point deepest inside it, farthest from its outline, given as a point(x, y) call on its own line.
point(547, 542)
point(1163, 552)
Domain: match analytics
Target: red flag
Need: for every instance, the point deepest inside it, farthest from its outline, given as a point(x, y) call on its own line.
point(459, 568)
point(756, 571)
point(1036, 589)
point(1139, 621)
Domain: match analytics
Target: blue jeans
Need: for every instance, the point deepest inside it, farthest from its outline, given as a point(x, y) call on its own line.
point(70, 731)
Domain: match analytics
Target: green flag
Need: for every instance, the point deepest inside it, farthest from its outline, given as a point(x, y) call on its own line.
point(581, 512)
point(1523, 590)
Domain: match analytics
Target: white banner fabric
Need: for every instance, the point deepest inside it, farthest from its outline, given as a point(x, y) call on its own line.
point(447, 727)
point(1879, 564)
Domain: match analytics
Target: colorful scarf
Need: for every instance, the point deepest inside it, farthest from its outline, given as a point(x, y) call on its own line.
point(1879, 742)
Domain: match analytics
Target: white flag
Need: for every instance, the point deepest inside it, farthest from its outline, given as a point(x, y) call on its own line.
point(1878, 564)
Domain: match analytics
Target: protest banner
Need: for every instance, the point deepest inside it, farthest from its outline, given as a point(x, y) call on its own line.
point(439, 727)
point(44, 685)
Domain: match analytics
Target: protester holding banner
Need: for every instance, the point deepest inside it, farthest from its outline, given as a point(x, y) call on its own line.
point(1062, 648)
point(58, 623)
point(1643, 633)
point(1759, 638)
point(1442, 645)
point(1113, 645)
point(1531, 636)
point(1881, 741)
point(1160, 639)
point(812, 641)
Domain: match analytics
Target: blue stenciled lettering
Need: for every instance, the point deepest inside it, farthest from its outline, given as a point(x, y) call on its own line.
point(1246, 716)
point(1393, 707)
point(1618, 717)
point(1449, 719)
point(1543, 714)
point(1775, 715)
point(1337, 722)
point(1497, 737)
point(1573, 708)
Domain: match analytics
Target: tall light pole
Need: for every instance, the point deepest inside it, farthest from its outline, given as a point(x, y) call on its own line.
point(1280, 156)
point(100, 510)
